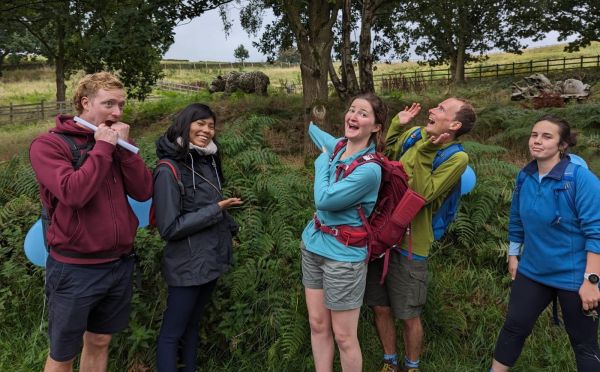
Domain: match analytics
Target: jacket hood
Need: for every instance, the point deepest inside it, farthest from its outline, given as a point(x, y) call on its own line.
point(166, 148)
point(66, 124)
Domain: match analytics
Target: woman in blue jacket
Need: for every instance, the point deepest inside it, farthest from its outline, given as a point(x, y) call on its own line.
point(191, 216)
point(555, 221)
point(334, 271)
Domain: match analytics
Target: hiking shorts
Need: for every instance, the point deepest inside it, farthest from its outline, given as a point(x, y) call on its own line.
point(343, 283)
point(404, 289)
point(94, 298)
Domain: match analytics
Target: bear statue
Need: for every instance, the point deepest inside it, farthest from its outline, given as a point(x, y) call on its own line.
point(247, 82)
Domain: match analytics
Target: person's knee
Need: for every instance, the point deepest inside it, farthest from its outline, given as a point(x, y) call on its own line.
point(319, 325)
point(412, 323)
point(53, 365)
point(97, 340)
point(346, 340)
point(382, 312)
point(517, 327)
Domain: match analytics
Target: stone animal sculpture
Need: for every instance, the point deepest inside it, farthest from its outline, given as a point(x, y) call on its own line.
point(247, 82)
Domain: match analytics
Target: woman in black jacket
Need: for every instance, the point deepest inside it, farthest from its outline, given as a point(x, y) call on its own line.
point(191, 217)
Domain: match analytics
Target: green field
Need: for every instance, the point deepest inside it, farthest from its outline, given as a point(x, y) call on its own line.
point(257, 318)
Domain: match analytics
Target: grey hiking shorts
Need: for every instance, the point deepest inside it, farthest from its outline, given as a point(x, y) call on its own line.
point(404, 289)
point(343, 283)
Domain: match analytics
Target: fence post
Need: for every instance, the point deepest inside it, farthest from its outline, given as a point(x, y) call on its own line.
point(480, 71)
point(449, 76)
point(564, 63)
point(11, 113)
point(581, 64)
point(547, 66)
point(497, 70)
point(598, 60)
point(530, 66)
point(513, 71)
point(42, 110)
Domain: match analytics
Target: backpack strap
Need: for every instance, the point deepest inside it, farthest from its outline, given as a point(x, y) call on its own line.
point(338, 147)
point(569, 184)
point(445, 154)
point(78, 151)
point(172, 165)
point(414, 136)
point(345, 170)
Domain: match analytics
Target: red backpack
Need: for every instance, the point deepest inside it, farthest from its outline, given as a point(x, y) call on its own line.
point(395, 208)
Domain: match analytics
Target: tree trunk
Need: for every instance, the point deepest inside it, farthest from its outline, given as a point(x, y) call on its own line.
point(348, 74)
point(314, 39)
point(459, 65)
point(365, 61)
point(339, 86)
point(2, 56)
point(59, 63)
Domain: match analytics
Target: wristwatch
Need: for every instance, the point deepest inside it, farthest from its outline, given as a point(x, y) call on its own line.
point(592, 277)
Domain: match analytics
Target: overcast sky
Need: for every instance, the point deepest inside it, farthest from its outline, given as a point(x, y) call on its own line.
point(203, 39)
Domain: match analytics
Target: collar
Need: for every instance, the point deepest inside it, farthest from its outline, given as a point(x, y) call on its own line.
point(556, 172)
point(349, 160)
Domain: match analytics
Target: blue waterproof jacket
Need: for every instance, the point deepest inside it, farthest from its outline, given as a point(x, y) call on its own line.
point(337, 201)
point(556, 239)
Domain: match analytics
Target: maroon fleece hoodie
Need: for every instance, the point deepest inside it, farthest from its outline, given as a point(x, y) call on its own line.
point(90, 212)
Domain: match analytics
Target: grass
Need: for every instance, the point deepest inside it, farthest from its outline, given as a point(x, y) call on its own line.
point(15, 138)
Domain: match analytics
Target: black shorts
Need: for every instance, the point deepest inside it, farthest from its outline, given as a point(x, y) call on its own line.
point(81, 298)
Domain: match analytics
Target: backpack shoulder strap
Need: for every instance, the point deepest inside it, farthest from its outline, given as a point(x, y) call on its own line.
point(345, 170)
point(414, 136)
point(78, 151)
point(569, 184)
point(368, 158)
point(172, 165)
point(520, 179)
point(445, 154)
point(338, 147)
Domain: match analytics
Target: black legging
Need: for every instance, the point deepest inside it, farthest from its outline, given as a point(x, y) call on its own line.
point(527, 300)
point(178, 337)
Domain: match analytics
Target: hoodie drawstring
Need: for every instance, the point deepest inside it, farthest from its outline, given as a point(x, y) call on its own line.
point(193, 173)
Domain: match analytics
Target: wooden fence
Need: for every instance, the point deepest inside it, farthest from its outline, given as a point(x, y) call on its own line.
point(176, 87)
point(40, 111)
point(32, 112)
point(385, 82)
point(214, 67)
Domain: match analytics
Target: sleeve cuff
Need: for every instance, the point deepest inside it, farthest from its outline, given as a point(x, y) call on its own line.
point(514, 248)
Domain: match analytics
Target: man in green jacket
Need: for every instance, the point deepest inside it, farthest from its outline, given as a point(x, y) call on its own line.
point(403, 294)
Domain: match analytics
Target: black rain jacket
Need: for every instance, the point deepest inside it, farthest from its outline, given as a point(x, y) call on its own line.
point(197, 232)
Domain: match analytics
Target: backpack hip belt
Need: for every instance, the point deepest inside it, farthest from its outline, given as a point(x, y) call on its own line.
point(355, 236)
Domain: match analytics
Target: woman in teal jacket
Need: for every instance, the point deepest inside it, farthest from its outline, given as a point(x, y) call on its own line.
point(334, 269)
point(555, 219)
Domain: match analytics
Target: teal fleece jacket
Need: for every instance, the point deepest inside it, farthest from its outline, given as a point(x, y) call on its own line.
point(337, 201)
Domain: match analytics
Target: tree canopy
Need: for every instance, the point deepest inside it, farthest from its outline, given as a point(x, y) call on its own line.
point(460, 31)
point(126, 36)
point(241, 53)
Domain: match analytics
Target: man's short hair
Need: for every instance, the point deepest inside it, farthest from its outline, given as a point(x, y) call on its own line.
point(467, 117)
point(90, 84)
